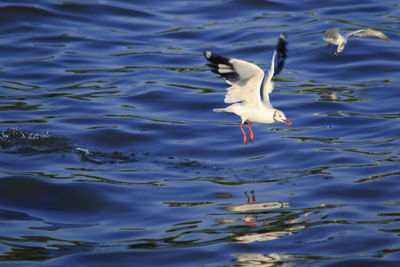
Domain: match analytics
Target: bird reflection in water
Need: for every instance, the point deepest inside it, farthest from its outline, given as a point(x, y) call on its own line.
point(267, 260)
point(252, 220)
point(251, 206)
point(263, 230)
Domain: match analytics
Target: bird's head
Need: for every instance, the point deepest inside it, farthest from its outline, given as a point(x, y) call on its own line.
point(340, 48)
point(279, 116)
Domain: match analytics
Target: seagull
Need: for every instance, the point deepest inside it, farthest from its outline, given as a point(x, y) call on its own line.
point(334, 37)
point(246, 80)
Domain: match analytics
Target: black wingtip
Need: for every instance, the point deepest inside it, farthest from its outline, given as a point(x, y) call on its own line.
point(207, 54)
point(215, 60)
point(281, 51)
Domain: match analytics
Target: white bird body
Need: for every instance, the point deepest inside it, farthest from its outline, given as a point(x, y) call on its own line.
point(247, 92)
point(260, 112)
point(334, 37)
point(246, 80)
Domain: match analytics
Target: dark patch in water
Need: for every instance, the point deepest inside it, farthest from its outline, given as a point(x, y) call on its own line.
point(17, 141)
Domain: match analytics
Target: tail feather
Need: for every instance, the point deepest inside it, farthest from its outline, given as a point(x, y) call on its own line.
point(219, 110)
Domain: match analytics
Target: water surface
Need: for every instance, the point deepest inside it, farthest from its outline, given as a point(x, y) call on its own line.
point(111, 154)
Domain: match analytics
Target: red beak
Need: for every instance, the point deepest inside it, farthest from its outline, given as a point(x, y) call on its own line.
point(287, 122)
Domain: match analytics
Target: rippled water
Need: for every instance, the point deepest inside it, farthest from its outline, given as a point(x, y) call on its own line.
point(111, 154)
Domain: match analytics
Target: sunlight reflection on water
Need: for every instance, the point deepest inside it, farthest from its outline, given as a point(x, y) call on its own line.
point(111, 153)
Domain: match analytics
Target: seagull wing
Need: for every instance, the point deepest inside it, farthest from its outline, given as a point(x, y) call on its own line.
point(368, 33)
point(244, 77)
point(281, 51)
point(268, 85)
point(332, 36)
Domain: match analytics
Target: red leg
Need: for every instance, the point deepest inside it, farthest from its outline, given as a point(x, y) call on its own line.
point(253, 196)
point(248, 199)
point(244, 134)
point(251, 132)
point(251, 224)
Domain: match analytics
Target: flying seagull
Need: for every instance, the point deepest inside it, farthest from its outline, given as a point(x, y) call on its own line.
point(334, 37)
point(246, 80)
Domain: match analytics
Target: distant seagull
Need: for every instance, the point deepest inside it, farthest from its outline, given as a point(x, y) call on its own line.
point(334, 37)
point(246, 80)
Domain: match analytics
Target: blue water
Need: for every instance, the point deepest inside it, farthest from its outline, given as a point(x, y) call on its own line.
point(111, 154)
